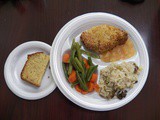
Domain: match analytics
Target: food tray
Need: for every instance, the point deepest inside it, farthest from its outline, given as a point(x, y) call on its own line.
point(62, 43)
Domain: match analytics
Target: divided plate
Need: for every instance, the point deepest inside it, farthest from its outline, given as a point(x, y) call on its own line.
point(62, 42)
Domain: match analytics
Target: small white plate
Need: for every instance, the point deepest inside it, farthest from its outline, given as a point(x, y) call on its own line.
point(62, 42)
point(14, 65)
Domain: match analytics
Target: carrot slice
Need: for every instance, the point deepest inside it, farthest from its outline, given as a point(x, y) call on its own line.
point(66, 58)
point(90, 86)
point(72, 77)
point(87, 66)
point(78, 88)
point(86, 63)
point(96, 87)
point(94, 78)
point(84, 92)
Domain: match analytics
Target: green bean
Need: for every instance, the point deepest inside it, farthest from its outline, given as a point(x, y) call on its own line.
point(73, 51)
point(78, 45)
point(83, 77)
point(90, 61)
point(74, 84)
point(73, 43)
point(70, 68)
point(65, 71)
point(87, 72)
point(90, 54)
point(82, 85)
point(84, 71)
point(78, 63)
point(83, 65)
point(79, 54)
point(76, 66)
point(90, 72)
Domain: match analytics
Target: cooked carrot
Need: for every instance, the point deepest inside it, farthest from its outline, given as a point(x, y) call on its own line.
point(87, 66)
point(90, 86)
point(94, 78)
point(72, 77)
point(66, 58)
point(86, 63)
point(96, 87)
point(78, 88)
point(84, 92)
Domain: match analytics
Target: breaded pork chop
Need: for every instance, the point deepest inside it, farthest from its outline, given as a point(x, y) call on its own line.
point(103, 38)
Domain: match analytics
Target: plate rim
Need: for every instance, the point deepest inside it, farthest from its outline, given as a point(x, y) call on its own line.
point(75, 100)
point(12, 87)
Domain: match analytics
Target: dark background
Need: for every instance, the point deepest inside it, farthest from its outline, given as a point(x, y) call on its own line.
point(41, 20)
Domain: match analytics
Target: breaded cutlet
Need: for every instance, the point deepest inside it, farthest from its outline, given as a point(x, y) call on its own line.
point(103, 38)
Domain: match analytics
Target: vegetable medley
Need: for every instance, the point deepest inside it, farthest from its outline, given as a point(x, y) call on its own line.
point(80, 72)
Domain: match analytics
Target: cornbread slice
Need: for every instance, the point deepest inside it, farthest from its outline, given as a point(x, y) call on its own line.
point(34, 68)
point(103, 38)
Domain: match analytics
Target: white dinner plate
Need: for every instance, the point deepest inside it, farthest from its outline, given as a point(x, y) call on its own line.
point(14, 65)
point(62, 42)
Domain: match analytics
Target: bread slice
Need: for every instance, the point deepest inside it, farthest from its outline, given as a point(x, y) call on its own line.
point(34, 68)
point(103, 38)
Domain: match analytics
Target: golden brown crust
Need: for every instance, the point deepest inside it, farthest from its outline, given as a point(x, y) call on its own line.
point(31, 82)
point(89, 42)
point(103, 38)
point(33, 54)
